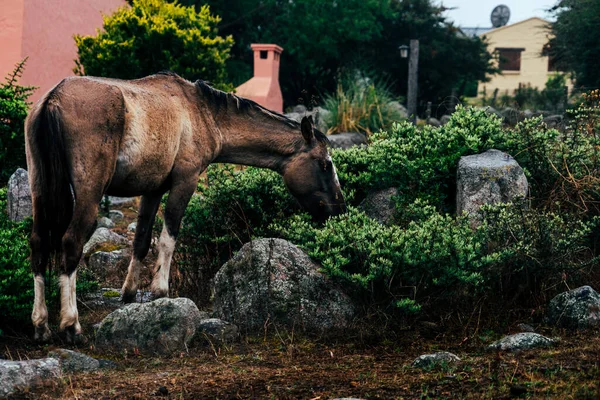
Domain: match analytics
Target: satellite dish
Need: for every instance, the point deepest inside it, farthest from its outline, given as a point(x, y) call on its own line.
point(500, 16)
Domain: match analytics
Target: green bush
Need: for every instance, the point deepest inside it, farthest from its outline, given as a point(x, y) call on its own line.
point(152, 36)
point(429, 257)
point(419, 162)
point(13, 111)
point(16, 279)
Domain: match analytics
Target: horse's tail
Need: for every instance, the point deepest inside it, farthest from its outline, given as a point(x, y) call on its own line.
point(51, 179)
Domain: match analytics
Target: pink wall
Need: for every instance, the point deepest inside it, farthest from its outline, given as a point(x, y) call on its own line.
point(11, 31)
point(46, 38)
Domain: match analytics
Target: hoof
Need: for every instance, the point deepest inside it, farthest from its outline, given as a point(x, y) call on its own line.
point(42, 334)
point(129, 296)
point(71, 335)
point(158, 294)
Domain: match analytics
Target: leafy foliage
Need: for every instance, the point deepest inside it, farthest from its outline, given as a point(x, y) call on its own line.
point(16, 283)
point(13, 111)
point(552, 98)
point(321, 37)
point(575, 45)
point(429, 257)
point(152, 36)
point(419, 162)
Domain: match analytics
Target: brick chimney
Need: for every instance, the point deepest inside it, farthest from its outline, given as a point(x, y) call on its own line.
point(264, 87)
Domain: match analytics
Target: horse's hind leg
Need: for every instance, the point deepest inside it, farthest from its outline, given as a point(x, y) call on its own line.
point(179, 196)
point(84, 217)
point(141, 244)
point(40, 249)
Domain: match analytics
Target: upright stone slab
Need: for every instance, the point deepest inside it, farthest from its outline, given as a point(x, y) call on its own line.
point(488, 178)
point(19, 196)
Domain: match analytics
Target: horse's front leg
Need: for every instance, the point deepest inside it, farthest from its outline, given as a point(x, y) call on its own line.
point(141, 244)
point(179, 196)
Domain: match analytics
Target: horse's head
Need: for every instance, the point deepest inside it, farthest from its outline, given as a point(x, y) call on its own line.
point(311, 177)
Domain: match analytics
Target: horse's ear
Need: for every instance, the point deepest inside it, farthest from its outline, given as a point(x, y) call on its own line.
point(308, 131)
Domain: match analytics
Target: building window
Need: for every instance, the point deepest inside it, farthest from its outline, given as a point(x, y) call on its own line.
point(264, 54)
point(509, 59)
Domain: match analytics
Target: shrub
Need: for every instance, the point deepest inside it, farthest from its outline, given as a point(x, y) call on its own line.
point(439, 259)
point(551, 98)
point(430, 258)
point(360, 105)
point(13, 111)
point(152, 36)
point(419, 162)
point(16, 283)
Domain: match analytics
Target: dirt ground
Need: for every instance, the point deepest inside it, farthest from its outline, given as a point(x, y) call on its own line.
point(283, 365)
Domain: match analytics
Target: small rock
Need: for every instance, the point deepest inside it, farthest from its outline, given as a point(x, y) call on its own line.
point(116, 215)
point(217, 330)
point(380, 205)
point(397, 106)
point(432, 360)
point(132, 227)
point(101, 236)
point(553, 121)
point(512, 116)
point(104, 264)
point(299, 109)
point(19, 196)
point(163, 326)
point(21, 375)
point(72, 361)
point(121, 201)
point(105, 222)
point(526, 328)
point(434, 122)
point(107, 364)
point(347, 140)
point(575, 309)
point(521, 341)
point(445, 119)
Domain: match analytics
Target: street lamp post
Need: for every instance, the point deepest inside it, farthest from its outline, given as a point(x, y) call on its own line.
point(413, 68)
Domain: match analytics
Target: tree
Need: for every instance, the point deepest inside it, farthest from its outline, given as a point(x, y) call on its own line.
point(447, 60)
point(13, 111)
point(320, 37)
point(154, 35)
point(575, 45)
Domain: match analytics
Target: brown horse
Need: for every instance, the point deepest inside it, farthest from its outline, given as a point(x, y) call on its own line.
point(93, 136)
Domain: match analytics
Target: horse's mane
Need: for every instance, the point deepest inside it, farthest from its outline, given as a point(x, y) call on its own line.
point(232, 102)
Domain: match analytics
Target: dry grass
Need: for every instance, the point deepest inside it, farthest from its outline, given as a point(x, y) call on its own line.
point(326, 368)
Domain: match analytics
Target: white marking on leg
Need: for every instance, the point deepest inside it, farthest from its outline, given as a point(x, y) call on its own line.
point(166, 247)
point(39, 316)
point(133, 276)
point(69, 315)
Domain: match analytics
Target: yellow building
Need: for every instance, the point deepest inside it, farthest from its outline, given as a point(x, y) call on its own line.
point(518, 48)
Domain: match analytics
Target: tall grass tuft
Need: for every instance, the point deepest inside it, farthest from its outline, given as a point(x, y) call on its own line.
point(361, 104)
